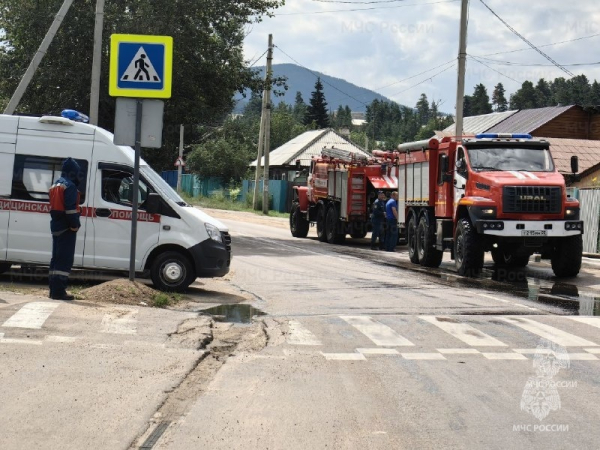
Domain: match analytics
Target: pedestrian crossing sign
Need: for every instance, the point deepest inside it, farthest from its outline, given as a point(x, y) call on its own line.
point(140, 66)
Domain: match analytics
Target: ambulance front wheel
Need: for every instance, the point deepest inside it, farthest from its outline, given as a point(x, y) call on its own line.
point(172, 271)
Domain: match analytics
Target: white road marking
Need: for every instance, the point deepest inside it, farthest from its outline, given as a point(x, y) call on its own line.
point(507, 301)
point(424, 356)
point(532, 351)
point(504, 356)
point(120, 321)
point(4, 340)
point(595, 351)
point(494, 298)
point(582, 357)
point(61, 339)
point(593, 321)
point(547, 332)
point(344, 356)
point(459, 351)
point(299, 335)
point(379, 333)
point(377, 351)
point(32, 315)
point(464, 332)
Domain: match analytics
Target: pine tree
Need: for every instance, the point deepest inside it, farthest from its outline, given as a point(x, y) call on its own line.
point(595, 94)
point(524, 98)
point(423, 109)
point(480, 101)
point(579, 90)
point(468, 106)
point(543, 94)
point(498, 98)
point(560, 92)
point(348, 117)
point(317, 108)
point(299, 107)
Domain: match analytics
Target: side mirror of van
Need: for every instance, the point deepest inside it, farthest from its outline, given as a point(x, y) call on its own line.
point(153, 203)
point(574, 164)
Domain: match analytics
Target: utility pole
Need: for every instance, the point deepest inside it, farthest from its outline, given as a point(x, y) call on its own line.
point(462, 62)
point(97, 63)
point(35, 62)
point(261, 136)
point(267, 125)
point(180, 166)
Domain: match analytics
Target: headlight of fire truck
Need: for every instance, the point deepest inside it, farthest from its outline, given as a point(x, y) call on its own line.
point(483, 212)
point(572, 213)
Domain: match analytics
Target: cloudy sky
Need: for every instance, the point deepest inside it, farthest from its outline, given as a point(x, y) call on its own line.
point(386, 45)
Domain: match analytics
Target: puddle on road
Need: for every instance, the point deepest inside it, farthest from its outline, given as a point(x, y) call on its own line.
point(240, 313)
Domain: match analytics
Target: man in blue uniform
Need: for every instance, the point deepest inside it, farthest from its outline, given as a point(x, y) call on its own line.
point(391, 214)
point(377, 221)
point(64, 224)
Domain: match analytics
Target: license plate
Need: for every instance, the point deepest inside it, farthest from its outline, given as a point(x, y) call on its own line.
point(533, 233)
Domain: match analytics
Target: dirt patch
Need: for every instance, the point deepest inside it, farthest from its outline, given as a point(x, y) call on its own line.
point(125, 292)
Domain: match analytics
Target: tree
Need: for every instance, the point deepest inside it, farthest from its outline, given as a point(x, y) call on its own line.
point(543, 94)
point(480, 102)
point(317, 109)
point(299, 107)
point(524, 98)
point(468, 106)
point(595, 94)
point(208, 66)
point(560, 92)
point(498, 98)
point(220, 158)
point(422, 108)
point(579, 90)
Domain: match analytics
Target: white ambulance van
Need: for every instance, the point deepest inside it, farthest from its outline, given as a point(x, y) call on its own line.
point(176, 242)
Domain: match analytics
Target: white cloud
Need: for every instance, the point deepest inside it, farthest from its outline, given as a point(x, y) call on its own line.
point(377, 47)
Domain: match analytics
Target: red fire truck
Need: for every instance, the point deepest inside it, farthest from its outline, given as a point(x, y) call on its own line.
point(341, 188)
point(493, 192)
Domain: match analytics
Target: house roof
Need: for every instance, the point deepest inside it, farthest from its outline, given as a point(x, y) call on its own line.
point(479, 124)
point(528, 120)
point(587, 151)
point(307, 145)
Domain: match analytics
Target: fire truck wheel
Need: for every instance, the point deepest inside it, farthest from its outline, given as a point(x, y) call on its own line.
point(299, 226)
point(358, 230)
point(4, 267)
point(429, 256)
point(468, 249)
point(506, 259)
point(321, 235)
point(566, 259)
point(411, 237)
point(333, 227)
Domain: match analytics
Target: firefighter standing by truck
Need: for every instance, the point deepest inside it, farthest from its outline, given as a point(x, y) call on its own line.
point(377, 222)
point(64, 224)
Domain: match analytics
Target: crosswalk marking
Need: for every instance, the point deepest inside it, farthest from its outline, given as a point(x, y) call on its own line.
point(4, 340)
point(121, 321)
point(424, 356)
point(377, 351)
point(458, 351)
point(582, 357)
point(379, 333)
point(464, 332)
point(511, 356)
point(595, 351)
point(32, 315)
point(299, 335)
point(344, 356)
point(593, 321)
point(548, 332)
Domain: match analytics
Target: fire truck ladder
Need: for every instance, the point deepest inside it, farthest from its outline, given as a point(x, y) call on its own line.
point(343, 155)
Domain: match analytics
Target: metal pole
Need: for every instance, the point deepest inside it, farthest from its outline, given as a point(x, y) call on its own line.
point(136, 182)
point(97, 63)
point(35, 62)
point(180, 167)
point(267, 126)
point(462, 62)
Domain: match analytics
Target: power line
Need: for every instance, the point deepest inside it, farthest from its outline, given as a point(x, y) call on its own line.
point(491, 68)
point(568, 72)
point(414, 76)
point(424, 81)
point(258, 59)
point(540, 46)
point(518, 64)
point(318, 76)
point(363, 9)
point(358, 2)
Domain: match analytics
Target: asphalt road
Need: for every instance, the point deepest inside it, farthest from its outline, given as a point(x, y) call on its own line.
point(359, 349)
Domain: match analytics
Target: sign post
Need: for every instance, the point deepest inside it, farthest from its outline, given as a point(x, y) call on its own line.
point(140, 67)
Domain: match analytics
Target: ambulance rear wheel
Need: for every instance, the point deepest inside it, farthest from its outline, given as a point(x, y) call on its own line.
point(172, 271)
point(429, 256)
point(299, 226)
point(321, 235)
point(411, 237)
point(334, 228)
point(4, 267)
point(468, 249)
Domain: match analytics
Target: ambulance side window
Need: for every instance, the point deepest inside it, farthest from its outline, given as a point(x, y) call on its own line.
point(117, 187)
point(33, 176)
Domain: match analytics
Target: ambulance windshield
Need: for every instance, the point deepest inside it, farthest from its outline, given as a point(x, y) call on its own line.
point(161, 185)
point(510, 158)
